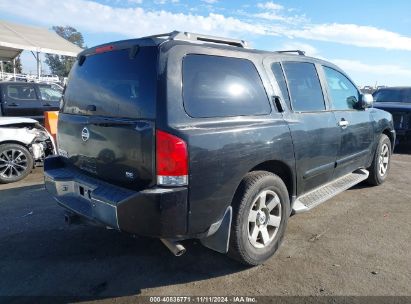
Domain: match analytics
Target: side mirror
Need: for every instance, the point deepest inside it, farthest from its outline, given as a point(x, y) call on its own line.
point(366, 101)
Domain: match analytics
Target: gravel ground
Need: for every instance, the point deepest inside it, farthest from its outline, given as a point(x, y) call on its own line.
point(357, 244)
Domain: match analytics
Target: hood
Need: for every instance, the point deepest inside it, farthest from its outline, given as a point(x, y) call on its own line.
point(393, 106)
point(16, 120)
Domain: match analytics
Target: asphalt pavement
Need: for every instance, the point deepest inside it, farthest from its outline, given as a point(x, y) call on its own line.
point(357, 244)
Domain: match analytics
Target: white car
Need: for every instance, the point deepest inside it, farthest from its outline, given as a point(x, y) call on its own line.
point(24, 144)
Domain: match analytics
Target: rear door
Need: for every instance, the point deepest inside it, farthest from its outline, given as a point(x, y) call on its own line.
point(107, 127)
point(20, 99)
point(355, 124)
point(313, 127)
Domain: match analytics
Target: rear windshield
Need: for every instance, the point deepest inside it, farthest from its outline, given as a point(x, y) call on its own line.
point(398, 95)
point(119, 83)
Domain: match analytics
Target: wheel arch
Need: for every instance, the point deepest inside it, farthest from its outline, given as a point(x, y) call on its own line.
point(390, 135)
point(282, 170)
point(278, 168)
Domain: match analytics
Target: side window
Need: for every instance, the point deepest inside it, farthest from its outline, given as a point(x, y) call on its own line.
point(279, 76)
point(21, 92)
point(304, 85)
point(344, 95)
point(216, 86)
point(49, 94)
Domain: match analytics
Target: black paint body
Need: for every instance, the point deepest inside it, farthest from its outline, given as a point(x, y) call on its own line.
point(305, 149)
point(400, 110)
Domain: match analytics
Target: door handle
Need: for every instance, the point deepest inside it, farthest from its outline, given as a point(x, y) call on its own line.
point(343, 123)
point(13, 104)
point(46, 105)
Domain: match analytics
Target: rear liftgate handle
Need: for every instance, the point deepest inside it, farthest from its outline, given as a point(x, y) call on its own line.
point(343, 123)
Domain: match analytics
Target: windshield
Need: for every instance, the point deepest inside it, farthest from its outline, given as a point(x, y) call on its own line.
point(48, 93)
point(393, 95)
point(115, 84)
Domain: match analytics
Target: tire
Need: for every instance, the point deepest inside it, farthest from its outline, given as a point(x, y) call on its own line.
point(249, 243)
point(380, 166)
point(16, 162)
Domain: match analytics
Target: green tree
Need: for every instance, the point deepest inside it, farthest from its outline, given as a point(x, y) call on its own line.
point(8, 66)
point(61, 65)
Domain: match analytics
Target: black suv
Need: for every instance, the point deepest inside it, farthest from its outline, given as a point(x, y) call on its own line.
point(26, 99)
point(397, 101)
point(182, 136)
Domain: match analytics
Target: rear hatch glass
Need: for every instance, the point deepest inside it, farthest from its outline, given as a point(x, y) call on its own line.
point(106, 127)
point(119, 83)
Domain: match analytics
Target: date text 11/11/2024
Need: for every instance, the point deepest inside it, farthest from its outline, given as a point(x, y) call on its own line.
point(203, 299)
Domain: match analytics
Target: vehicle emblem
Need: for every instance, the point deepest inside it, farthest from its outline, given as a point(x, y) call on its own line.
point(129, 174)
point(85, 134)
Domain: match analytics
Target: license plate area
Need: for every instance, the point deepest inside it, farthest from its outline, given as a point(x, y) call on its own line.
point(84, 191)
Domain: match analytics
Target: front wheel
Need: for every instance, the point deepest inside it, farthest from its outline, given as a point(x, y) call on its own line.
point(261, 209)
point(381, 163)
point(16, 163)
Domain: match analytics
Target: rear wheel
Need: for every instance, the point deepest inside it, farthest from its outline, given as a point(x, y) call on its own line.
point(16, 163)
point(381, 163)
point(261, 210)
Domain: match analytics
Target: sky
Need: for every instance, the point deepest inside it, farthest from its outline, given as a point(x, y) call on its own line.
point(370, 40)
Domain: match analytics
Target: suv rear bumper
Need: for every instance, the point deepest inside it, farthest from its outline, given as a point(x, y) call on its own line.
point(154, 212)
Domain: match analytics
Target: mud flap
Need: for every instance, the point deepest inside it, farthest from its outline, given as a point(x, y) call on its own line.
point(219, 233)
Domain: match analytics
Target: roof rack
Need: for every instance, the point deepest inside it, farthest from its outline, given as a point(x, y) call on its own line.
point(301, 53)
point(186, 36)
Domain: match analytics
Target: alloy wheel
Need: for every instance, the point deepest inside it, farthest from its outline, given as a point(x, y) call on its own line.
point(264, 219)
point(13, 163)
point(383, 160)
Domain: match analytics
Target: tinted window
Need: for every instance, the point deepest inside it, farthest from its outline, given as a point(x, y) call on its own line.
point(119, 85)
point(393, 95)
point(56, 87)
point(279, 76)
point(304, 86)
point(344, 95)
point(48, 93)
point(219, 86)
point(21, 92)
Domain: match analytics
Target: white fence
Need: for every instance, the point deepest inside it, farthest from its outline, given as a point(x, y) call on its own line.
point(28, 77)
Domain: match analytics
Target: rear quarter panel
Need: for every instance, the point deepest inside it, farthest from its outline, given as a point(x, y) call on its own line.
point(221, 154)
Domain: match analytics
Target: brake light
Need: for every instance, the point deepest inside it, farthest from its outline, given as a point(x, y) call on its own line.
point(172, 160)
point(103, 49)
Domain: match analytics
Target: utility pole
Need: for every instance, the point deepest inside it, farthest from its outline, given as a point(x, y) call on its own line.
point(38, 66)
point(14, 69)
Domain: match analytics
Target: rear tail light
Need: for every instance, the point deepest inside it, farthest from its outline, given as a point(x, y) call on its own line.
point(172, 160)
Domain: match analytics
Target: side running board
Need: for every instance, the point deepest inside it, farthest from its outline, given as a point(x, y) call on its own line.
point(320, 195)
